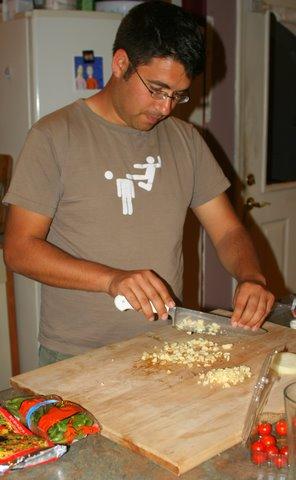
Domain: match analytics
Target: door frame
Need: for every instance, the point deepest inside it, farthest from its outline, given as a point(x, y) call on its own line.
point(243, 7)
point(252, 97)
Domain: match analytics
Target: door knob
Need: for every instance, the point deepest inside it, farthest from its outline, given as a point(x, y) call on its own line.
point(251, 203)
point(251, 179)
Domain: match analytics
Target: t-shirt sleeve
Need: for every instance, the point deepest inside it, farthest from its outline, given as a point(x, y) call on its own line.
point(36, 181)
point(209, 179)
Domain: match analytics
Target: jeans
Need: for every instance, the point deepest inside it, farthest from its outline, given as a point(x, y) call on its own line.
point(47, 356)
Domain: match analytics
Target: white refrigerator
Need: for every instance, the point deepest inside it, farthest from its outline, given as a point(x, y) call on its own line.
point(48, 58)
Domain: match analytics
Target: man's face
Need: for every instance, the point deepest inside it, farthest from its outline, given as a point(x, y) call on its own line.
point(133, 104)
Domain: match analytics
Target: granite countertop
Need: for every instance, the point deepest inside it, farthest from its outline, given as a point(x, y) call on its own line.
point(96, 457)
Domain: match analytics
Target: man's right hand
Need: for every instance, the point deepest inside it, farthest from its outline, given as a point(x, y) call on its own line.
point(140, 287)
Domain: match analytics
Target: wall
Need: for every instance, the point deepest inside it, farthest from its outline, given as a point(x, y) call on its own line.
point(220, 132)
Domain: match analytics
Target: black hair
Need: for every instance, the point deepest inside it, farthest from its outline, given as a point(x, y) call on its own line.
point(160, 29)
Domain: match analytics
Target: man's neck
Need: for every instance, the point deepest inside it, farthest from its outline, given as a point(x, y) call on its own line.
point(102, 105)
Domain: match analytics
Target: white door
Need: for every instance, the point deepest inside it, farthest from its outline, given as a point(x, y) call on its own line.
point(269, 210)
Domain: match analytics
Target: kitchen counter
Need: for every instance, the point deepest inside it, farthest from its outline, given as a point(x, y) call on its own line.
point(97, 458)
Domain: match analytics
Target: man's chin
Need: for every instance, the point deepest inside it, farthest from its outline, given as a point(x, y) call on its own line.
point(149, 122)
point(144, 122)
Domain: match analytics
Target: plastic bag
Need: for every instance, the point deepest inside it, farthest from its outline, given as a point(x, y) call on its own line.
point(284, 311)
point(63, 422)
point(21, 407)
point(20, 448)
point(52, 418)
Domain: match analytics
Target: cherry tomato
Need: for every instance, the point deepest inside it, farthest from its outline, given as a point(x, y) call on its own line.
point(284, 450)
point(280, 461)
point(272, 450)
point(264, 428)
point(268, 440)
point(259, 457)
point(281, 427)
point(258, 446)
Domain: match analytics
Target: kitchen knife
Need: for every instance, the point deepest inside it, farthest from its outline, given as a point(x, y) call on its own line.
point(122, 304)
point(194, 321)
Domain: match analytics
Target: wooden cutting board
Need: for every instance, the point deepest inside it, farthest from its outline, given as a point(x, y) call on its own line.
point(169, 418)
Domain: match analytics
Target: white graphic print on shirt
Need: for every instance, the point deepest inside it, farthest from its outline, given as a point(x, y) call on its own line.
point(125, 186)
point(126, 191)
point(150, 167)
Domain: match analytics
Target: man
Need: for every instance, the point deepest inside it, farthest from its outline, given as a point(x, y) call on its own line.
point(101, 189)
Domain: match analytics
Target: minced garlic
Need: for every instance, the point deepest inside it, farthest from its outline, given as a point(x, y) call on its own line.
point(226, 377)
point(198, 326)
point(197, 352)
point(200, 353)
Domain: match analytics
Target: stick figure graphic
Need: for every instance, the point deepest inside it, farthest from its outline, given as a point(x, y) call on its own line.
point(149, 175)
point(125, 191)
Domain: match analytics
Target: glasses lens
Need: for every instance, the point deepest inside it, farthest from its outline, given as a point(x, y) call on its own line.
point(183, 99)
point(159, 95)
point(165, 96)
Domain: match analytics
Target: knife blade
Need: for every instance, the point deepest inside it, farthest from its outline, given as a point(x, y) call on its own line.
point(194, 321)
point(203, 322)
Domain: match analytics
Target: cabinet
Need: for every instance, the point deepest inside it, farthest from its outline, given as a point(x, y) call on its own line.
point(9, 358)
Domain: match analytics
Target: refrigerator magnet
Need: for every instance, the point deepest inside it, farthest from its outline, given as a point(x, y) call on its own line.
point(88, 73)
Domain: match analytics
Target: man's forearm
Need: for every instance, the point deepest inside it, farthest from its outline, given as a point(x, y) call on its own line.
point(27, 251)
point(251, 301)
point(237, 254)
point(50, 265)
point(42, 261)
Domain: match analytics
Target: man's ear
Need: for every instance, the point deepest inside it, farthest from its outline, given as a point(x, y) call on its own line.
point(120, 63)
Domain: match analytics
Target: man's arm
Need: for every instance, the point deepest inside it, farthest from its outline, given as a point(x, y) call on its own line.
point(27, 251)
point(252, 300)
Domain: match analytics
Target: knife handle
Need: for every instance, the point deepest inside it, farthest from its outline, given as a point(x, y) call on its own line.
point(121, 303)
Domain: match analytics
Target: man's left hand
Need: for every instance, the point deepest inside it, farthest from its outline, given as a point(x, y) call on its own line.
point(252, 303)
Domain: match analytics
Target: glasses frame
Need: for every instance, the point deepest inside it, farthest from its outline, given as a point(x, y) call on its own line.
point(161, 95)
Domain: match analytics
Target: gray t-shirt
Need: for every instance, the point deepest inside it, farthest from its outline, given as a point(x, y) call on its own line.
point(117, 196)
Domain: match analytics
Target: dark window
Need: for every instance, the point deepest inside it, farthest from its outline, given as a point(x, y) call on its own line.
point(281, 154)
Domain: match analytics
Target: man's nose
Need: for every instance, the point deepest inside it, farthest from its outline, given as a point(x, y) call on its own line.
point(165, 106)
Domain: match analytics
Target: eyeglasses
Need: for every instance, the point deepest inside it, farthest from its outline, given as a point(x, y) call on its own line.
point(161, 95)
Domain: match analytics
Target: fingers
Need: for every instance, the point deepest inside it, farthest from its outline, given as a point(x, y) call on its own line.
point(252, 304)
point(143, 295)
point(141, 287)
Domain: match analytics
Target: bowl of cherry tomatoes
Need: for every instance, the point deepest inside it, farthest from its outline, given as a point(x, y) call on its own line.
point(269, 444)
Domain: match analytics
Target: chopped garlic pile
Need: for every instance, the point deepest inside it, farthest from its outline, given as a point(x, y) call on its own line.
point(198, 326)
point(198, 352)
point(226, 377)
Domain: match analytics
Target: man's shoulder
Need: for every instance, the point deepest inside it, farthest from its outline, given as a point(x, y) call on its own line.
point(182, 126)
point(59, 119)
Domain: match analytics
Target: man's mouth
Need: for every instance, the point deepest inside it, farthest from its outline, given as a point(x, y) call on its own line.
point(154, 118)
